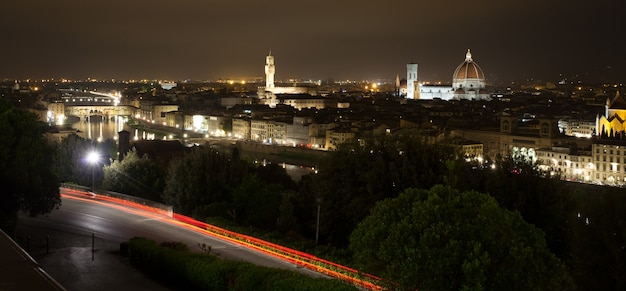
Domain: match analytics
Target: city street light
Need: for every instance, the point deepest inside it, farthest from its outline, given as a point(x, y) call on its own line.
point(317, 225)
point(93, 159)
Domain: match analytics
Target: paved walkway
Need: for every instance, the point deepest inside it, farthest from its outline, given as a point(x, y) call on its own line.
point(68, 258)
point(18, 271)
point(75, 269)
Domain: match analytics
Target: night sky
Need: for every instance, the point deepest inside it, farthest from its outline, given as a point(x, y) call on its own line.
point(323, 39)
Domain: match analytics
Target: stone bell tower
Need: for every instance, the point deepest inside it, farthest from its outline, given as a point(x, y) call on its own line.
point(270, 69)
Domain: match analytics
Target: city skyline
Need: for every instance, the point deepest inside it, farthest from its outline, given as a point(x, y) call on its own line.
point(325, 40)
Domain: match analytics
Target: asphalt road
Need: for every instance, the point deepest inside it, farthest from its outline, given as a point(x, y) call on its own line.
point(62, 244)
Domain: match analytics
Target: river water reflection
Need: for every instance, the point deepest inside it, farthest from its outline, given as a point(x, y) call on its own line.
point(102, 130)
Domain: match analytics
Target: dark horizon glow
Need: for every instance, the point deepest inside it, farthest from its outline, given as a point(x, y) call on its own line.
point(210, 40)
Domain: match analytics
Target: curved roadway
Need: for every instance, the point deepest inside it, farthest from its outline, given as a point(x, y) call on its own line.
point(62, 243)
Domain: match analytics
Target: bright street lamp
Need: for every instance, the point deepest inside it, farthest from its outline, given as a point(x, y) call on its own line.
point(93, 159)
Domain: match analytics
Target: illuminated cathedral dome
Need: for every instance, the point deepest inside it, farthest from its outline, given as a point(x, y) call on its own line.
point(468, 70)
point(468, 80)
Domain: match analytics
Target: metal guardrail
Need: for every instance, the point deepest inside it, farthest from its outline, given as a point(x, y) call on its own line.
point(19, 271)
point(167, 210)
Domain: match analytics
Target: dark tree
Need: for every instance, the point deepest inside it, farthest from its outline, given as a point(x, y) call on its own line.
point(134, 175)
point(443, 239)
point(597, 237)
point(357, 176)
point(202, 179)
point(28, 181)
point(209, 183)
point(70, 159)
point(520, 186)
point(257, 203)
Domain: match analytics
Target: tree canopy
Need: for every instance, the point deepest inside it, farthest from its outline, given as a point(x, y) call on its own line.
point(201, 178)
point(209, 183)
point(26, 158)
point(443, 239)
point(140, 176)
point(520, 186)
point(71, 165)
point(356, 176)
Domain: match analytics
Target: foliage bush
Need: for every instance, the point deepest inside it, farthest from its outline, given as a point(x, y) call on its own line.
point(176, 266)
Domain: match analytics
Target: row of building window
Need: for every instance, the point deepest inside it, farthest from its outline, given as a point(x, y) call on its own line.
point(611, 160)
point(600, 167)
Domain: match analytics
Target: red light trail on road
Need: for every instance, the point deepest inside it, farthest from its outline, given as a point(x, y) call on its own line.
point(292, 256)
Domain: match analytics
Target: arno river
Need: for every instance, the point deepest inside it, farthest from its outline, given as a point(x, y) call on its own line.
point(102, 130)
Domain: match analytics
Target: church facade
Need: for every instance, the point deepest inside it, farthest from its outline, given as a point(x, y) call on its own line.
point(468, 82)
point(613, 123)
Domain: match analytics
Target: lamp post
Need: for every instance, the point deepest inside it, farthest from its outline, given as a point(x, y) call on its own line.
point(93, 158)
point(317, 225)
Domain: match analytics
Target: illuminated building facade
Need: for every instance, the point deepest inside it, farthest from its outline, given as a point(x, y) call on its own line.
point(268, 131)
point(268, 93)
point(156, 112)
point(468, 82)
point(411, 81)
point(609, 148)
point(569, 165)
point(241, 128)
point(270, 70)
point(610, 162)
point(301, 101)
point(473, 150)
point(578, 127)
point(515, 133)
point(612, 124)
point(175, 119)
point(337, 136)
point(604, 164)
point(56, 112)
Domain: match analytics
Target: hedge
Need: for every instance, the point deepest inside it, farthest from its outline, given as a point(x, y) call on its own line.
point(172, 264)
